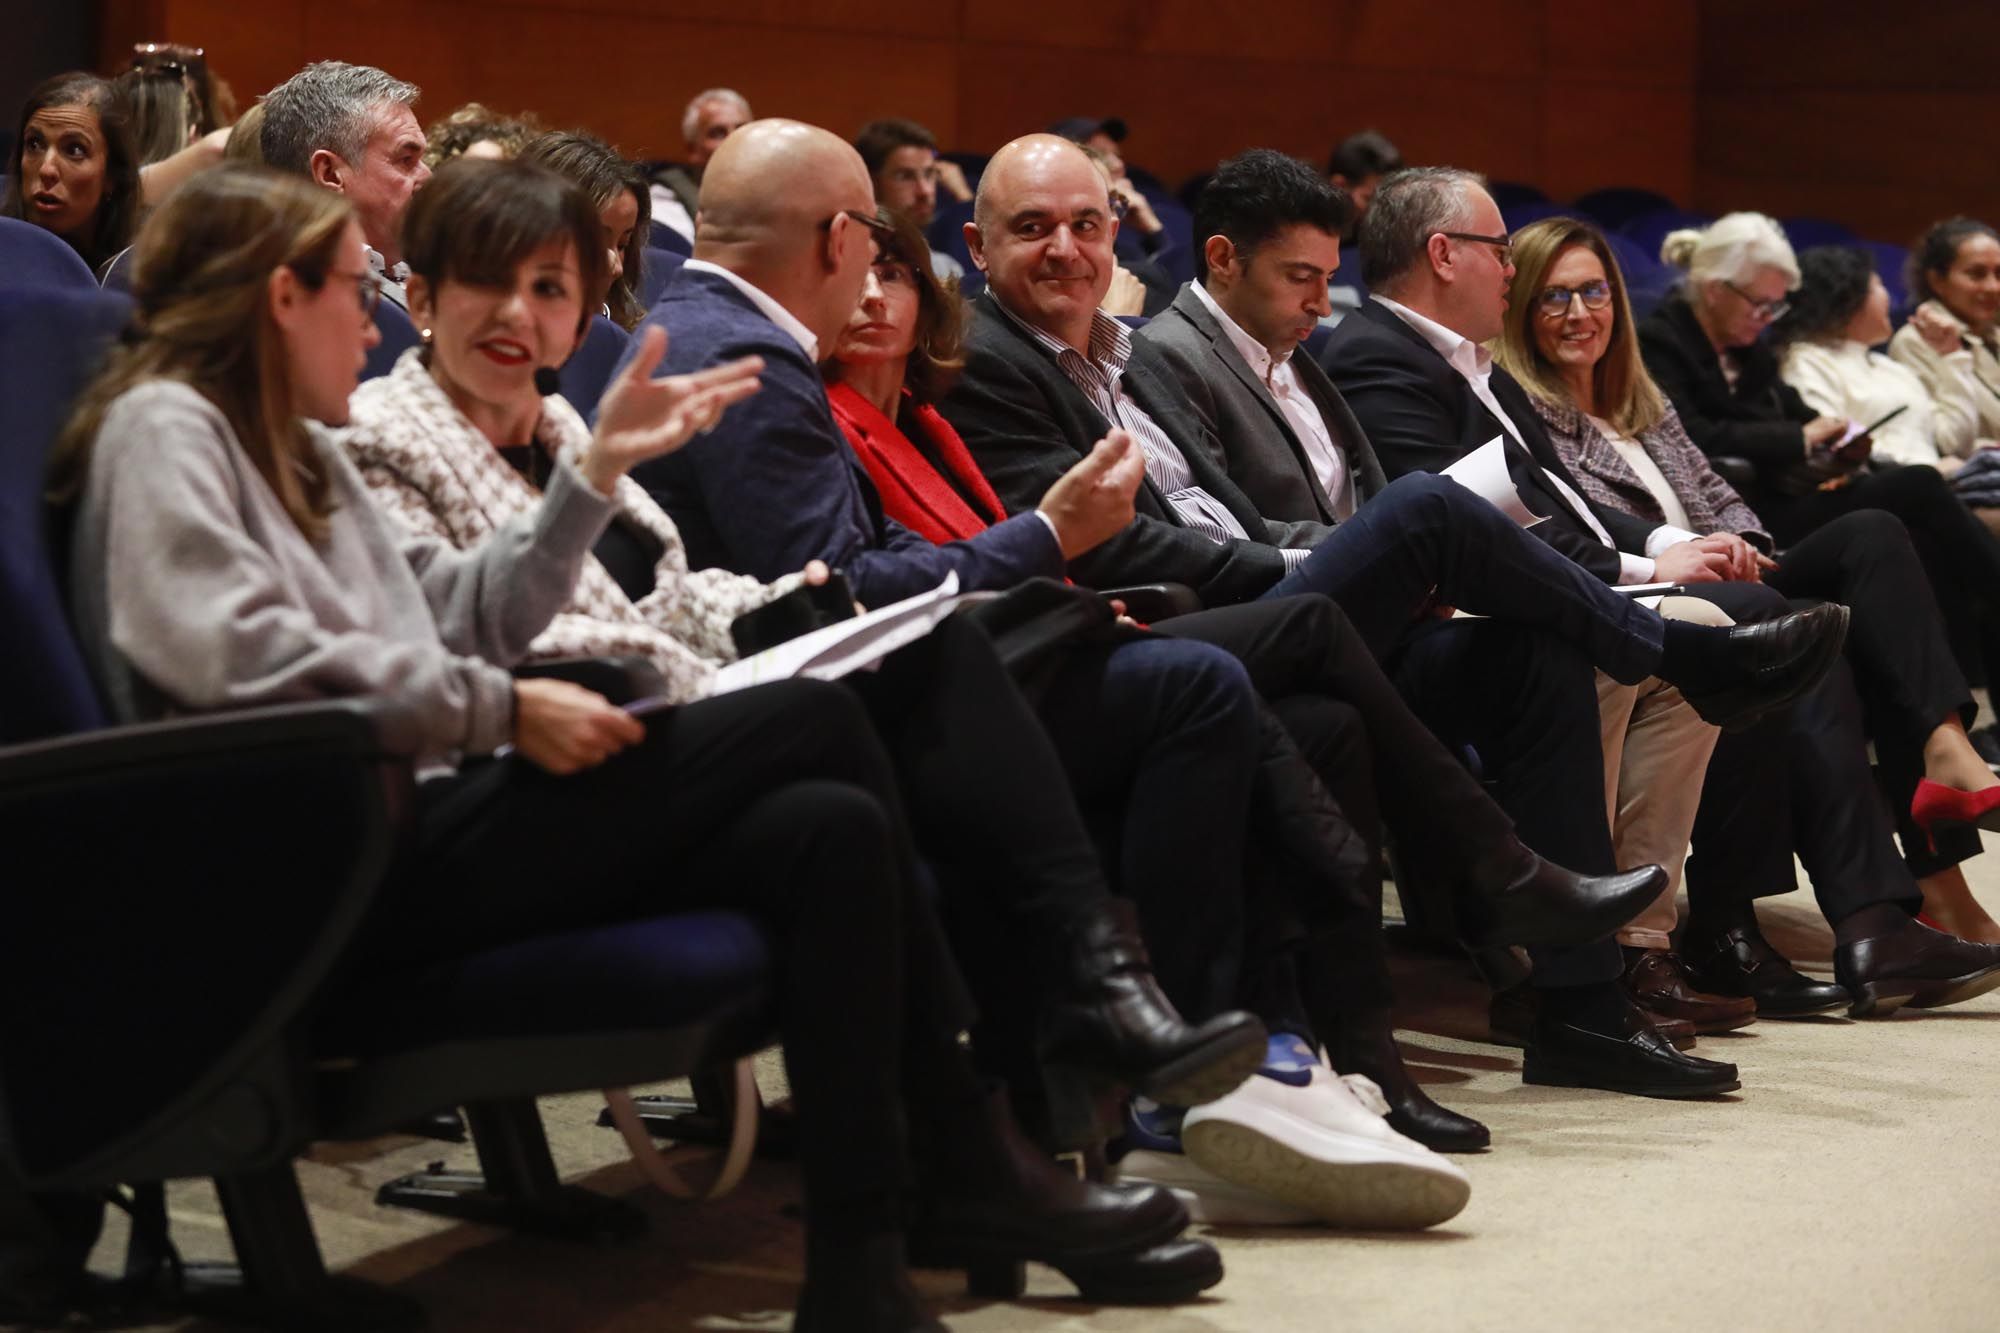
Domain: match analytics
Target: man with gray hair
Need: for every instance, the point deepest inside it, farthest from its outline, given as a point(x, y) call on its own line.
point(352, 129)
point(712, 115)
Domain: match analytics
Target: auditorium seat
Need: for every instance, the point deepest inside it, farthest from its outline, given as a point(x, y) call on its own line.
point(661, 265)
point(972, 164)
point(32, 256)
point(1520, 213)
point(1615, 205)
point(1647, 279)
point(1508, 193)
point(193, 1022)
point(1804, 233)
point(585, 374)
point(1891, 261)
point(1647, 230)
point(399, 335)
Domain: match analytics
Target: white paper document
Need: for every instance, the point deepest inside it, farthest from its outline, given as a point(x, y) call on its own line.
point(835, 650)
point(1484, 473)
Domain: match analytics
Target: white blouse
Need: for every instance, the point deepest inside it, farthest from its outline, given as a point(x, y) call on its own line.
point(1672, 511)
point(1847, 380)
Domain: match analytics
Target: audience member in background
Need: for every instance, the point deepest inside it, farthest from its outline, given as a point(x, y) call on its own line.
point(163, 96)
point(1358, 164)
point(1268, 228)
point(711, 116)
point(352, 129)
point(1139, 286)
point(74, 171)
point(617, 189)
point(1569, 340)
point(1705, 349)
point(246, 137)
point(256, 570)
point(209, 127)
point(901, 157)
point(1839, 314)
point(1950, 339)
point(476, 131)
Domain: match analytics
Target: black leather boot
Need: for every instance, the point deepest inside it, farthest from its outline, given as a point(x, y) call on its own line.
point(1367, 1046)
point(988, 1201)
point(1108, 1020)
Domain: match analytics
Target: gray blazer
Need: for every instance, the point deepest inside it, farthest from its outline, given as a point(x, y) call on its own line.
point(1261, 452)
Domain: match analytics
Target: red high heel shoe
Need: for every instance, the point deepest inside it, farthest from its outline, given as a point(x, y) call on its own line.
point(1937, 806)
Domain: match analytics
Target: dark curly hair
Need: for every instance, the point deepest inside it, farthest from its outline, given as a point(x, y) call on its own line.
point(1833, 286)
point(1936, 251)
point(1257, 194)
point(602, 171)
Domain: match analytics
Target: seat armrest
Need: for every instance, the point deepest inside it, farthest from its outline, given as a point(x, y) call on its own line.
point(1148, 602)
point(619, 679)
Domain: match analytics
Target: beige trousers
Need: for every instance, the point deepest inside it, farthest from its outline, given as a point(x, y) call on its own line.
point(1656, 749)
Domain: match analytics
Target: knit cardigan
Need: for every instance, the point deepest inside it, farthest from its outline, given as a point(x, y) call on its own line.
point(432, 469)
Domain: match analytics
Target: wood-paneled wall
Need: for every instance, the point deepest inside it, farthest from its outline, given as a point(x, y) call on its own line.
point(1882, 116)
point(1566, 93)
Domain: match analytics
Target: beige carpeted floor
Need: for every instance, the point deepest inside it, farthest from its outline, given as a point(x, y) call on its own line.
point(1854, 1183)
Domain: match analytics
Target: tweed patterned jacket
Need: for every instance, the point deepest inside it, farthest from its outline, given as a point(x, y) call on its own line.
point(1712, 504)
point(430, 467)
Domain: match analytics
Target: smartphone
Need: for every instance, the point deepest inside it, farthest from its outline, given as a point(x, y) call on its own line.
point(801, 611)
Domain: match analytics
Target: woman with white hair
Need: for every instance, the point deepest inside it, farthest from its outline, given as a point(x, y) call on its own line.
point(1705, 348)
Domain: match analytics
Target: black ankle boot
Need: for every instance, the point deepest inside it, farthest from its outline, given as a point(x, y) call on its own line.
point(1368, 1047)
point(988, 1201)
point(859, 1284)
point(1109, 1020)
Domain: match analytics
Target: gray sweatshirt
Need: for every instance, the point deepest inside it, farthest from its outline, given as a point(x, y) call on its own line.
point(194, 590)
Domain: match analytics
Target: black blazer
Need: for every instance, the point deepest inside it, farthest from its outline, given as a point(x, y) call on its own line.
point(1422, 416)
point(1261, 452)
point(1759, 419)
point(1027, 424)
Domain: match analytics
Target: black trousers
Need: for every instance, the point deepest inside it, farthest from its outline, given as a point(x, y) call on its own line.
point(1960, 557)
point(777, 801)
point(1905, 670)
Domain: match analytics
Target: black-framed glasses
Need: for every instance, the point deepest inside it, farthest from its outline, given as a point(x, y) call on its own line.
point(1502, 247)
point(1554, 301)
point(1764, 310)
point(879, 225)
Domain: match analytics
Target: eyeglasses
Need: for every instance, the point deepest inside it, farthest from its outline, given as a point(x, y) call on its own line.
point(1554, 301)
point(367, 288)
point(867, 219)
point(1765, 310)
point(1501, 246)
point(894, 272)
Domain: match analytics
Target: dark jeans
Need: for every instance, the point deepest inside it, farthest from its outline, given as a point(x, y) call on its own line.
point(779, 802)
point(1426, 534)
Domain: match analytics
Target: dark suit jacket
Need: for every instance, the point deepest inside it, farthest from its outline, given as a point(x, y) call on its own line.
point(1758, 419)
point(775, 485)
point(1026, 425)
point(1422, 416)
point(1260, 450)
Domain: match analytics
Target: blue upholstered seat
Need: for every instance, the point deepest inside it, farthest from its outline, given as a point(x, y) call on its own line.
point(585, 374)
point(1615, 205)
point(399, 335)
point(32, 256)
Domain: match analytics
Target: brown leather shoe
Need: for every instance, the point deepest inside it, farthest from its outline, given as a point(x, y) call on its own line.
point(1510, 1017)
point(1657, 980)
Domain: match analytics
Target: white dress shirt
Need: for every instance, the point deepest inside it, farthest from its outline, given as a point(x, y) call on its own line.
point(1475, 364)
point(669, 210)
point(1328, 458)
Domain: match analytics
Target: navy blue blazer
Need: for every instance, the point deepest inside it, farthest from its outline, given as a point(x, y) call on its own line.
point(1422, 416)
point(775, 484)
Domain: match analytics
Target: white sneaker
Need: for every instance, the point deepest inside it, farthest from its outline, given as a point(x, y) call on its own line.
point(1298, 1133)
point(1208, 1197)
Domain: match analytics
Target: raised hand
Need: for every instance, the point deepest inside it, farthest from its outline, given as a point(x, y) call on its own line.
point(641, 418)
point(1092, 502)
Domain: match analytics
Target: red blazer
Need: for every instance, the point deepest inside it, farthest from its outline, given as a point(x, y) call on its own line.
point(913, 492)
